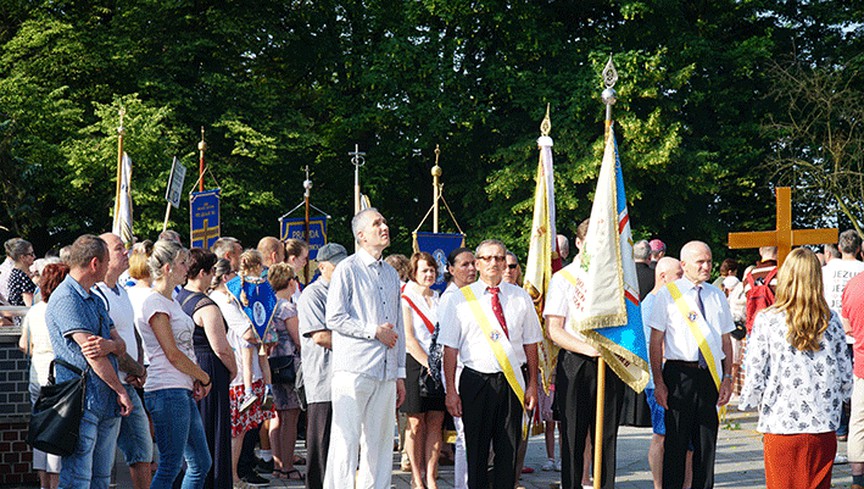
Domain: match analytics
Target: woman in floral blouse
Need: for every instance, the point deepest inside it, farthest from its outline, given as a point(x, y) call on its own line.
point(798, 375)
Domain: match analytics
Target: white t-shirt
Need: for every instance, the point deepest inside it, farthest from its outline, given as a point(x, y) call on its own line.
point(565, 299)
point(835, 275)
point(121, 312)
point(136, 296)
point(42, 353)
point(162, 374)
point(238, 324)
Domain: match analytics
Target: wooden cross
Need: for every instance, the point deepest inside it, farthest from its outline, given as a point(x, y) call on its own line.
point(783, 237)
point(205, 234)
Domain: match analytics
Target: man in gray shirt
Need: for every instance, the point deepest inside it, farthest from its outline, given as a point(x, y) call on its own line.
point(316, 342)
point(368, 383)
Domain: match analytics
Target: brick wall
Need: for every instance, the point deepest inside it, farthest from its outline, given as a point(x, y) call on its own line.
point(15, 455)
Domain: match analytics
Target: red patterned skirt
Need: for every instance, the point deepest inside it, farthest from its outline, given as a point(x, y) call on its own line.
point(252, 417)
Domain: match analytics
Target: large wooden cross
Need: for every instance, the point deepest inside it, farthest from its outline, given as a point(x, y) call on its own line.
point(783, 237)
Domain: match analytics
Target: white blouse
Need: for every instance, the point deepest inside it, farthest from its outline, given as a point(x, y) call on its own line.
point(795, 391)
point(421, 332)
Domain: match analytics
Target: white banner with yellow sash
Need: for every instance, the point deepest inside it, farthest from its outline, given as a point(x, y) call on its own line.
point(502, 349)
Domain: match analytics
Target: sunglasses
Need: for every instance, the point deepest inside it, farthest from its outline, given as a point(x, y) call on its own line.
point(512, 266)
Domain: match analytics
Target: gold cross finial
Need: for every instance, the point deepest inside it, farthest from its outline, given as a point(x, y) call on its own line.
point(546, 125)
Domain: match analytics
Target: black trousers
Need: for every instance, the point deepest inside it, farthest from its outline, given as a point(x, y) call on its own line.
point(692, 415)
point(490, 413)
point(576, 394)
point(319, 416)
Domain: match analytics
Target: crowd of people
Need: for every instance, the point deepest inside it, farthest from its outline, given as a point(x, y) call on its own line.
point(182, 381)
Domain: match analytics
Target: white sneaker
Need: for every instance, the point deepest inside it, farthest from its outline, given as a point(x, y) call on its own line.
point(841, 459)
point(247, 402)
point(549, 466)
point(557, 466)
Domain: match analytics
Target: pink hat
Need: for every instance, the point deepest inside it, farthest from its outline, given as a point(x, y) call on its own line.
point(657, 245)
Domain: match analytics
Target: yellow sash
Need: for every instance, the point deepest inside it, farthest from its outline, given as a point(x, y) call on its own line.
point(690, 318)
point(492, 336)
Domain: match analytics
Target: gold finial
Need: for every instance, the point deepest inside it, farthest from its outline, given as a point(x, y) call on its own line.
point(202, 145)
point(120, 129)
point(546, 125)
point(436, 170)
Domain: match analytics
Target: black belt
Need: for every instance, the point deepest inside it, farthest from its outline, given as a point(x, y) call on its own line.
point(685, 364)
point(523, 368)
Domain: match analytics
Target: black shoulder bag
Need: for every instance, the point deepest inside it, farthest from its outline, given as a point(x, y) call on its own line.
point(56, 418)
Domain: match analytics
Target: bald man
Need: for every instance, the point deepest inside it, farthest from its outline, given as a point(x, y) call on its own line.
point(667, 270)
point(690, 323)
point(271, 250)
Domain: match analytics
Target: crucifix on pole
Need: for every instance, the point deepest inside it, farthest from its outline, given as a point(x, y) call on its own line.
point(783, 236)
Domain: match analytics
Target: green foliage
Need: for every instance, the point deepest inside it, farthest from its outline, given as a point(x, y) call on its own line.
point(282, 85)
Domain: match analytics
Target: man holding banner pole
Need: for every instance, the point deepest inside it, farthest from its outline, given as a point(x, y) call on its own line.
point(576, 376)
point(690, 325)
point(493, 328)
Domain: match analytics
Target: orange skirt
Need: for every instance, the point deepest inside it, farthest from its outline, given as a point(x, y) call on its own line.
point(802, 461)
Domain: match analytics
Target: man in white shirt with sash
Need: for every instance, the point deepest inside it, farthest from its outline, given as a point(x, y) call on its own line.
point(492, 327)
point(690, 325)
point(576, 376)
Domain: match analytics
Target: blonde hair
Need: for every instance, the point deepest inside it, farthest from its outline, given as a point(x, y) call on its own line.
point(138, 268)
point(163, 253)
point(801, 296)
point(251, 264)
point(280, 276)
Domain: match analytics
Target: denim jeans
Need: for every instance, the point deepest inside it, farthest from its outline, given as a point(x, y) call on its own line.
point(90, 465)
point(179, 436)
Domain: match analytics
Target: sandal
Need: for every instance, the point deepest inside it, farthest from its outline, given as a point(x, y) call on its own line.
point(278, 474)
point(294, 475)
point(298, 460)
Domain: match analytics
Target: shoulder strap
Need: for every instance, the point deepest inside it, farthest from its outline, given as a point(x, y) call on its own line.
point(426, 321)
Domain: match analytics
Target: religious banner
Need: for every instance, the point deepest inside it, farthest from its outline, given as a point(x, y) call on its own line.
point(439, 245)
point(257, 300)
point(122, 225)
point(543, 259)
point(612, 320)
point(295, 228)
point(204, 218)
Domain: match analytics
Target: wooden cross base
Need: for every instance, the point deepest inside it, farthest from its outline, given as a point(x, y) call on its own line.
point(783, 237)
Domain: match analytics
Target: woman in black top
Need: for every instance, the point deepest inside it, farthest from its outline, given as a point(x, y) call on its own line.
point(216, 358)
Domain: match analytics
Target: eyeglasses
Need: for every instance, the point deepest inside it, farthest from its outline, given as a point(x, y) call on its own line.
point(512, 266)
point(498, 258)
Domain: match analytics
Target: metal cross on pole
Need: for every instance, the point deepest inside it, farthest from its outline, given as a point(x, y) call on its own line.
point(357, 159)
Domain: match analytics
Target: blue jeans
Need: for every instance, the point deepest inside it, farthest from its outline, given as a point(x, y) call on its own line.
point(179, 436)
point(90, 465)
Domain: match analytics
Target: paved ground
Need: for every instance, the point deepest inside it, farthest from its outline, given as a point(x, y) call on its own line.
point(739, 461)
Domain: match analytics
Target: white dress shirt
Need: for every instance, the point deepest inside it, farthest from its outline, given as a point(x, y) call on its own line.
point(363, 294)
point(460, 329)
point(680, 343)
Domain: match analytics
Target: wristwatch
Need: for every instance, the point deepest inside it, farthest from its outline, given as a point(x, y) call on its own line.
point(727, 377)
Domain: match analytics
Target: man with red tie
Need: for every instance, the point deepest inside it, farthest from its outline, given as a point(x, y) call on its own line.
point(492, 327)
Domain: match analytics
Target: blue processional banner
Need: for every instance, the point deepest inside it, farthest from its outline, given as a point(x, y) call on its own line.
point(295, 227)
point(259, 304)
point(439, 245)
point(204, 217)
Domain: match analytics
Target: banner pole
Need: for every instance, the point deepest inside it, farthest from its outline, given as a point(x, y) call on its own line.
point(610, 77)
point(307, 187)
point(121, 131)
point(598, 426)
point(436, 174)
point(167, 216)
point(202, 146)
